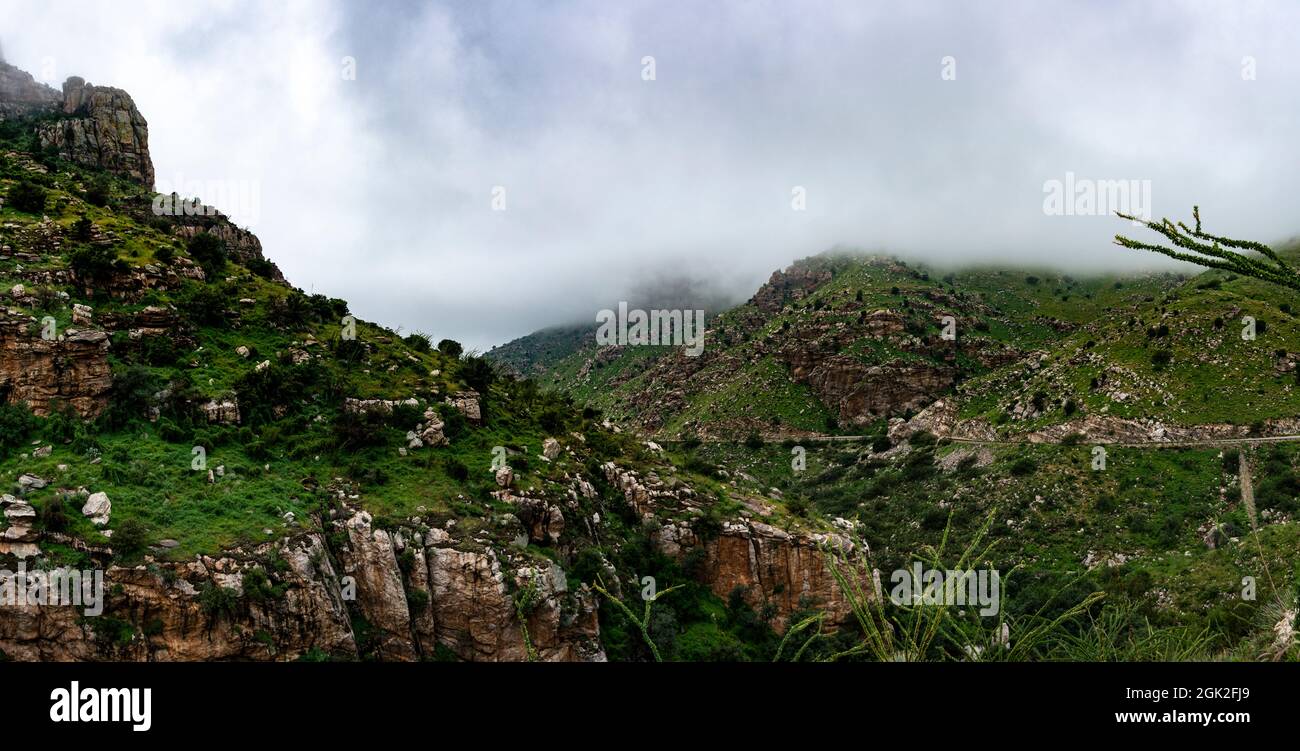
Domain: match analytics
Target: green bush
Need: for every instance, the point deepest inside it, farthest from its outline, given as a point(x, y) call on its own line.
point(418, 342)
point(209, 252)
point(477, 373)
point(217, 600)
point(130, 538)
point(97, 193)
point(130, 397)
point(261, 267)
point(82, 229)
point(27, 197)
point(54, 516)
point(16, 424)
point(204, 304)
point(95, 263)
point(451, 348)
point(456, 470)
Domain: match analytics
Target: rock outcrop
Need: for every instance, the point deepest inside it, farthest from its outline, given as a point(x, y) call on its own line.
point(71, 369)
point(398, 595)
point(101, 128)
point(775, 570)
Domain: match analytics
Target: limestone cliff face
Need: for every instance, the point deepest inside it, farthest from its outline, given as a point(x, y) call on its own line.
point(71, 369)
point(101, 128)
point(781, 571)
point(396, 595)
point(176, 626)
point(346, 588)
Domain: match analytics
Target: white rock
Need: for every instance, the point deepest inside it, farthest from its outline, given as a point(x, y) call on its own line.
point(98, 508)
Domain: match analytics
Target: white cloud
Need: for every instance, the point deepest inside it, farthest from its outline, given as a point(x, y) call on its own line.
point(379, 189)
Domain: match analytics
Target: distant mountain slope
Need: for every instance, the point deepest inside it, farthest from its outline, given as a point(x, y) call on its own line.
point(540, 351)
point(1178, 357)
point(837, 342)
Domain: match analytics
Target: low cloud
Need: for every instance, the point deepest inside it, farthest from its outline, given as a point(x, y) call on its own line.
point(381, 188)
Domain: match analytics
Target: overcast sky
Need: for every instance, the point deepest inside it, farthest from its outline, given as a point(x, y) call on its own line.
point(380, 189)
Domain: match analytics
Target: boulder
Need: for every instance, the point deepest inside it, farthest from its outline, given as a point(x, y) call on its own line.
point(82, 315)
point(98, 508)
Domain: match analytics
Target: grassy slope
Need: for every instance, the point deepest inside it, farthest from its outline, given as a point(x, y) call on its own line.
point(1023, 310)
point(1213, 375)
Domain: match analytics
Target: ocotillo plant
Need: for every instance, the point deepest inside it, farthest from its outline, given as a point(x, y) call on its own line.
point(1214, 251)
point(643, 622)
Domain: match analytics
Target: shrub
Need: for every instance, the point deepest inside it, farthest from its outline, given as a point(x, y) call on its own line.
point(27, 197)
point(450, 348)
point(129, 398)
point(16, 424)
point(417, 600)
point(203, 304)
point(130, 538)
point(454, 423)
point(754, 441)
point(95, 263)
point(54, 517)
point(81, 229)
point(98, 192)
point(552, 421)
point(456, 470)
point(165, 254)
point(62, 423)
point(1161, 358)
point(216, 600)
point(1024, 466)
point(209, 251)
point(353, 430)
point(418, 342)
point(261, 267)
point(477, 373)
point(258, 588)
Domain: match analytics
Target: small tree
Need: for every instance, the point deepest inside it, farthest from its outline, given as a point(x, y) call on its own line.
point(451, 348)
point(209, 251)
point(1213, 251)
point(28, 197)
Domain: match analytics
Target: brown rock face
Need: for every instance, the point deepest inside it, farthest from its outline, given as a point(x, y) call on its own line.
point(777, 569)
point(864, 392)
point(476, 614)
point(792, 284)
point(21, 95)
point(73, 370)
point(103, 129)
point(243, 246)
point(467, 603)
point(773, 569)
point(165, 601)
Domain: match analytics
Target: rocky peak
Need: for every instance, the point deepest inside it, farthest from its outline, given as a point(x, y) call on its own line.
point(21, 95)
point(101, 128)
